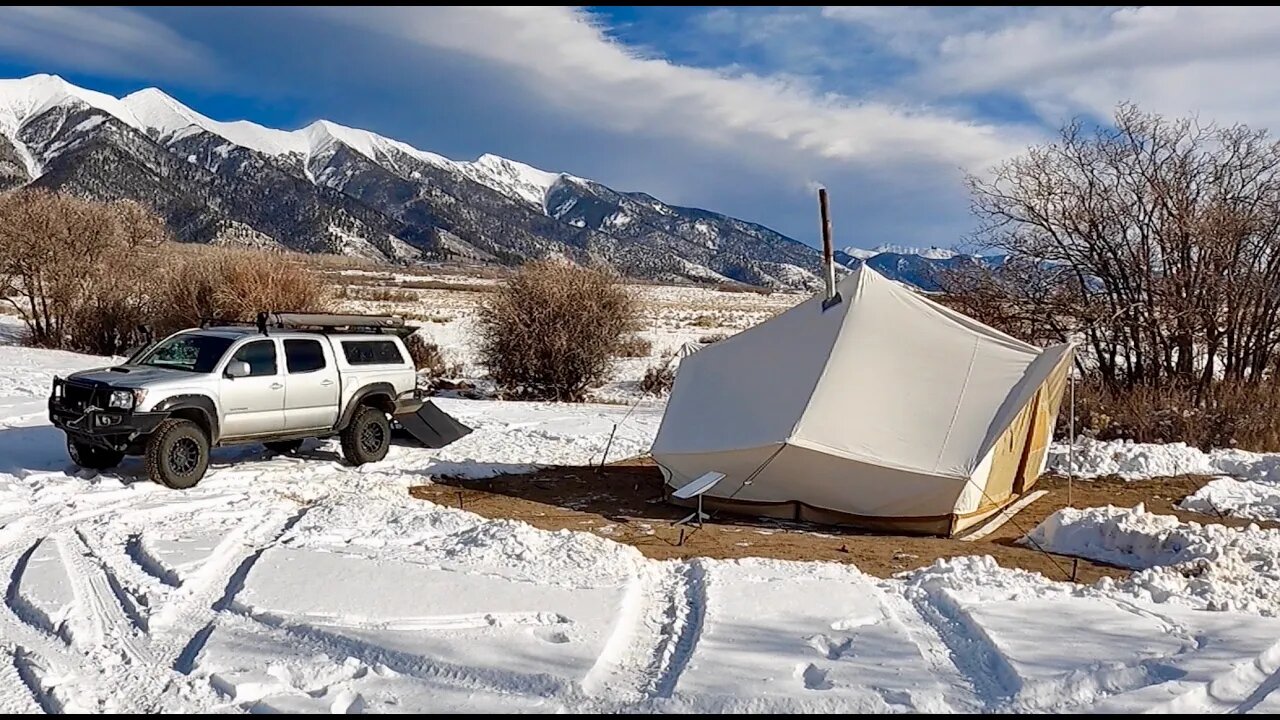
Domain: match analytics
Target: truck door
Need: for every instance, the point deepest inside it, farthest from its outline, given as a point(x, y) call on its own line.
point(311, 385)
point(254, 404)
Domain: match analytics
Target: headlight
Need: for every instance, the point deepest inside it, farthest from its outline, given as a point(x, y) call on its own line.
point(126, 399)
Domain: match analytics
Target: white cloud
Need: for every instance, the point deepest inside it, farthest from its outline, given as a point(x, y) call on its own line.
point(110, 41)
point(572, 64)
point(1218, 62)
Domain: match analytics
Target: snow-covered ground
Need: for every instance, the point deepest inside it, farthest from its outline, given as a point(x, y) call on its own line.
point(300, 584)
point(1249, 486)
point(1137, 461)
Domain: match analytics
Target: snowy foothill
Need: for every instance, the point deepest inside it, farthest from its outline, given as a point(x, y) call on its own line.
point(284, 584)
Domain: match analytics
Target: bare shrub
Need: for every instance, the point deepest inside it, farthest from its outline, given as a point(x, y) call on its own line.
point(658, 379)
point(737, 287)
point(429, 360)
point(713, 338)
point(446, 285)
point(553, 330)
point(235, 285)
point(704, 321)
point(380, 294)
point(634, 346)
point(73, 268)
point(1234, 414)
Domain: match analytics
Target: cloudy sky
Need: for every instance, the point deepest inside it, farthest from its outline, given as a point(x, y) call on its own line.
point(742, 111)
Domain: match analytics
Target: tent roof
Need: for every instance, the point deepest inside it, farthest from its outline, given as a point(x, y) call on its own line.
point(886, 376)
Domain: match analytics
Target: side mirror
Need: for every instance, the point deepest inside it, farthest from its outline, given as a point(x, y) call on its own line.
point(237, 368)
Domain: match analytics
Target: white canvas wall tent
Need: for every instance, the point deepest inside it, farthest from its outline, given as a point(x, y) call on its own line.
point(886, 411)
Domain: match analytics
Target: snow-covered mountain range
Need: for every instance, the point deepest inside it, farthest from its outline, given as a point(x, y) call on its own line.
point(919, 267)
point(331, 188)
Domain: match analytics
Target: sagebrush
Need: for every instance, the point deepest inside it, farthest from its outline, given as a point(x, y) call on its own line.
point(658, 379)
point(634, 346)
point(233, 285)
point(429, 359)
point(552, 330)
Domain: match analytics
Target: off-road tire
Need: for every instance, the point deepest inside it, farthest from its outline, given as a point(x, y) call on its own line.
point(283, 447)
point(367, 438)
point(177, 454)
point(93, 457)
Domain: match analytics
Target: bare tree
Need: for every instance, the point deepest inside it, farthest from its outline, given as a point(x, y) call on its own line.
point(1156, 240)
point(71, 266)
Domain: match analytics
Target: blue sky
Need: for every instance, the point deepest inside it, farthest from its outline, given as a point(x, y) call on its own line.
point(738, 110)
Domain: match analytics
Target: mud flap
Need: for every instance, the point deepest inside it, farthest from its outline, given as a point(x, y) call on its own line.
point(431, 426)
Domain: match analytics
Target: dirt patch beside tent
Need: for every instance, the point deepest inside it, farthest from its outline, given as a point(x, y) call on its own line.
point(623, 502)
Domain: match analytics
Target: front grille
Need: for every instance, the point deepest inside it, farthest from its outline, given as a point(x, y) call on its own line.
point(78, 397)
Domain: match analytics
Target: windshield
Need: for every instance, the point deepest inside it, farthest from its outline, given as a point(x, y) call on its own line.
point(192, 352)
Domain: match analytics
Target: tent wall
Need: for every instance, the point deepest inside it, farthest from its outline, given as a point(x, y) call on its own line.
point(750, 389)
point(1016, 460)
point(1050, 404)
point(885, 411)
point(910, 386)
point(800, 476)
point(1008, 455)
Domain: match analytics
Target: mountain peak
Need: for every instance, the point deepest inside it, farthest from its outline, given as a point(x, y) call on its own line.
point(29, 97)
point(379, 200)
point(514, 179)
point(157, 111)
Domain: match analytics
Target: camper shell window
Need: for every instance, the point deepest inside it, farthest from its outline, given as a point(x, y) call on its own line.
point(372, 352)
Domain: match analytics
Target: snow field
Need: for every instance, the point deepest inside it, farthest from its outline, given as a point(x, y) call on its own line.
point(300, 584)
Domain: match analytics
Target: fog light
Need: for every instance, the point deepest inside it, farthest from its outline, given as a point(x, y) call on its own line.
point(108, 420)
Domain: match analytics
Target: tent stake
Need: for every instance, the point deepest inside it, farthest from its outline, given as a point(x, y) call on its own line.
point(605, 455)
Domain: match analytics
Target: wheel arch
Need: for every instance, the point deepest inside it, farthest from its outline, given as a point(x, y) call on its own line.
point(380, 395)
point(199, 409)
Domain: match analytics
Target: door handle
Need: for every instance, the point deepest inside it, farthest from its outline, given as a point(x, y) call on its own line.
point(276, 386)
point(327, 383)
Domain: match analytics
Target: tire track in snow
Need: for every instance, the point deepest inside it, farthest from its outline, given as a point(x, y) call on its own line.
point(628, 662)
point(994, 681)
point(185, 623)
point(13, 678)
point(113, 625)
point(685, 616)
point(24, 642)
point(935, 652)
point(1260, 693)
point(118, 650)
point(19, 605)
point(656, 634)
point(31, 676)
point(1238, 690)
point(320, 640)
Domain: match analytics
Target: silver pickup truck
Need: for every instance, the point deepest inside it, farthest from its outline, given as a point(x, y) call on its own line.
point(286, 378)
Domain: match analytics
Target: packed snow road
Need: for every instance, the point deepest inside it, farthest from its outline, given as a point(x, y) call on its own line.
point(299, 584)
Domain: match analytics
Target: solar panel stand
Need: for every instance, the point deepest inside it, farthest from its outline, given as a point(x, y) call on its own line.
point(697, 489)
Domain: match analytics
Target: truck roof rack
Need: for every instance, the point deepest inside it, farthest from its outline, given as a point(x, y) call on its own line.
point(327, 321)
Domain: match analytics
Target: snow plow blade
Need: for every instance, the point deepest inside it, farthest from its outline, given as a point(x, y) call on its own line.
point(431, 426)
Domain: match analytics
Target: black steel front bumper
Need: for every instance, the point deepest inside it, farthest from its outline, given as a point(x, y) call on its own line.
point(113, 429)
